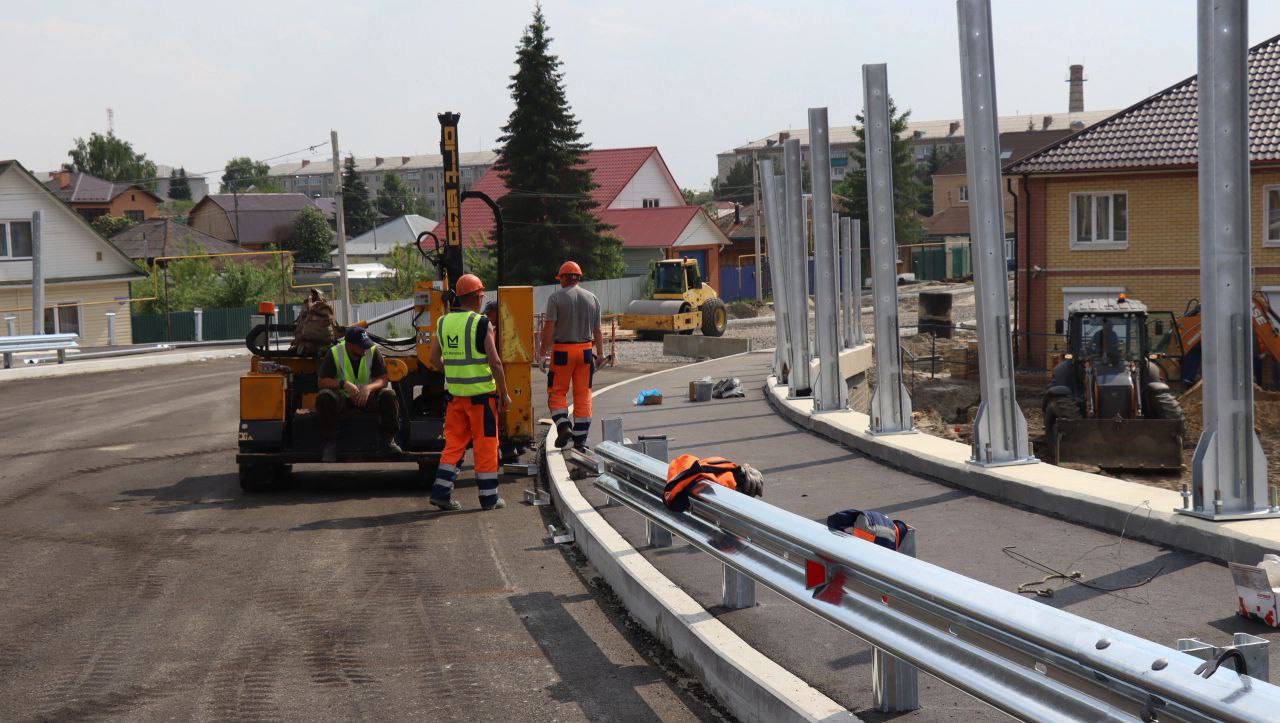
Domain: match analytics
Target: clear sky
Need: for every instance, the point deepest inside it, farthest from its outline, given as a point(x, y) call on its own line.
point(195, 84)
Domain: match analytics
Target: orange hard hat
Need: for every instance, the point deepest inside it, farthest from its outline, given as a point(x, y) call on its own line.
point(468, 284)
point(569, 267)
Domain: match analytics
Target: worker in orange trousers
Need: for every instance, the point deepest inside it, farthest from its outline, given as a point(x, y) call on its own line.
point(572, 333)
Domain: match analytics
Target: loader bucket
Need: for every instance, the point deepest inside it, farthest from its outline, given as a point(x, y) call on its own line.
point(1135, 444)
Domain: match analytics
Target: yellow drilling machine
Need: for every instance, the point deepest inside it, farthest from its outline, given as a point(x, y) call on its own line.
point(279, 426)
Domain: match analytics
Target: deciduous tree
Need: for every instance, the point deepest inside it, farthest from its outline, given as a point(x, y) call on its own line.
point(113, 159)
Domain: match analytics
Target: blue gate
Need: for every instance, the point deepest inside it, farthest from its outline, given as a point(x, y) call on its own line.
point(737, 282)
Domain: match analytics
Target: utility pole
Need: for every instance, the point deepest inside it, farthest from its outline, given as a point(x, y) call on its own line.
point(755, 212)
point(37, 275)
point(342, 231)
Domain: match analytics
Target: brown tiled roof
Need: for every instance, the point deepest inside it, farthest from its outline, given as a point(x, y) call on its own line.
point(1161, 131)
point(166, 237)
point(84, 188)
point(1016, 145)
point(745, 228)
point(953, 221)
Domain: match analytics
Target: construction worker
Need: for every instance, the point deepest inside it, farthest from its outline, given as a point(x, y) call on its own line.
point(353, 377)
point(572, 333)
point(477, 387)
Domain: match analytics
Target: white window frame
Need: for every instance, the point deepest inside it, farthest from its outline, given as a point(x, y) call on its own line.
point(650, 203)
point(57, 322)
point(8, 239)
point(1267, 241)
point(963, 193)
point(1099, 245)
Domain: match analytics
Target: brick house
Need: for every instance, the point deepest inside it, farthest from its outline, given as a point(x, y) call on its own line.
point(1115, 208)
point(93, 197)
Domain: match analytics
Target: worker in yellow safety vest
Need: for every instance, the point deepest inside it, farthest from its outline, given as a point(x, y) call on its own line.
point(477, 386)
point(353, 378)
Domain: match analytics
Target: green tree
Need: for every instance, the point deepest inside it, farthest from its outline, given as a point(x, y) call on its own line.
point(852, 189)
point(312, 237)
point(184, 284)
point(107, 225)
point(179, 187)
point(548, 211)
point(737, 184)
point(357, 212)
point(408, 269)
point(696, 198)
point(112, 158)
point(240, 174)
point(394, 198)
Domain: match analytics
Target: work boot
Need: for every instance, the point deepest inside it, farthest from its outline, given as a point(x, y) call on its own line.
point(447, 505)
point(564, 435)
point(330, 453)
point(496, 505)
point(580, 445)
point(389, 445)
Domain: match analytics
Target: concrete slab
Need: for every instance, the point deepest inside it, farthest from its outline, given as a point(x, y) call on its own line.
point(1104, 502)
point(703, 347)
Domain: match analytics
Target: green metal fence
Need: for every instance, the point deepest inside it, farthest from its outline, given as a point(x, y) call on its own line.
point(181, 325)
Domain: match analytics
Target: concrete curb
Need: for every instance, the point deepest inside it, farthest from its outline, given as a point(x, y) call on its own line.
point(124, 363)
point(750, 685)
point(1102, 502)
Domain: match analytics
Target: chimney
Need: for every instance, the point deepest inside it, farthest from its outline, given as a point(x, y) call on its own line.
point(63, 178)
point(1046, 122)
point(306, 162)
point(783, 135)
point(1075, 99)
point(737, 213)
point(404, 160)
point(951, 129)
point(377, 160)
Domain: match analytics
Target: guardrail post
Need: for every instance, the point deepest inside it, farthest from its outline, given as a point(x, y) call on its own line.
point(1228, 471)
point(611, 429)
point(895, 686)
point(11, 326)
point(111, 328)
point(828, 394)
point(199, 320)
point(846, 284)
point(656, 446)
point(37, 274)
point(837, 262)
point(739, 590)
point(775, 233)
point(999, 429)
point(797, 285)
point(855, 233)
point(890, 402)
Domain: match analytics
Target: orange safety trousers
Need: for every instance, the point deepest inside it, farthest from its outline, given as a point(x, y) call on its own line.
point(471, 420)
point(571, 363)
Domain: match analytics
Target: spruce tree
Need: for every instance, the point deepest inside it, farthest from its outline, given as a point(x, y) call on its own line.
point(179, 187)
point(357, 212)
point(906, 183)
point(548, 209)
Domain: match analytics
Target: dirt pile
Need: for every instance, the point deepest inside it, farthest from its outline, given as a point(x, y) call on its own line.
point(1266, 409)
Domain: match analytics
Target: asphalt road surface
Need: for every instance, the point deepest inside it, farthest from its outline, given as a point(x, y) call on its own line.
point(138, 582)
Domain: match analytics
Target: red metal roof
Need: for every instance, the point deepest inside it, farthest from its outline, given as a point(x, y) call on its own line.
point(649, 227)
point(1161, 131)
point(611, 169)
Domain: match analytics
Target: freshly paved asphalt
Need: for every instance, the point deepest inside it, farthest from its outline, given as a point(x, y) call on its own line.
point(1189, 597)
point(138, 582)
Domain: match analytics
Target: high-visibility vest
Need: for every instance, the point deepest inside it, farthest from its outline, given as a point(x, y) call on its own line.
point(687, 470)
point(345, 373)
point(466, 368)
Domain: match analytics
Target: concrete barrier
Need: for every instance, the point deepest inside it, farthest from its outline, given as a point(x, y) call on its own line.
point(752, 686)
point(703, 347)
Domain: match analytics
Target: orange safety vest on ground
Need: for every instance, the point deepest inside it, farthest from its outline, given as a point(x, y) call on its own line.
point(687, 470)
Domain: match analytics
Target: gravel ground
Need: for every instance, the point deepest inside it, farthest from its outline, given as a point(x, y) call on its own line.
point(762, 334)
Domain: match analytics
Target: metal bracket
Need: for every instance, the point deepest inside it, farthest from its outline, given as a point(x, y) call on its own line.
point(537, 498)
point(560, 537)
point(1253, 649)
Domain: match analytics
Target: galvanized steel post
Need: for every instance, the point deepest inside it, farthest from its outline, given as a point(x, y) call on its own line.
point(111, 328)
point(198, 313)
point(827, 395)
point(1229, 471)
point(37, 275)
point(999, 429)
point(855, 231)
point(837, 262)
point(797, 282)
point(895, 683)
point(775, 234)
point(890, 403)
point(846, 284)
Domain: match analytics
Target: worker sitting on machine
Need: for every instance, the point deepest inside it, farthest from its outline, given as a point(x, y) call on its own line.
point(353, 377)
point(477, 387)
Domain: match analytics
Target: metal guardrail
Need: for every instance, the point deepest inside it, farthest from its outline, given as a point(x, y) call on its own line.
point(10, 345)
point(1029, 660)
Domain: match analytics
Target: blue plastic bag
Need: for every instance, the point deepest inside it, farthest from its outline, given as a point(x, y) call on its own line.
point(645, 395)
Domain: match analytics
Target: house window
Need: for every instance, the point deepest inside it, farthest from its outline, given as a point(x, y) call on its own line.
point(62, 319)
point(652, 202)
point(135, 216)
point(964, 194)
point(1099, 220)
point(1271, 197)
point(15, 239)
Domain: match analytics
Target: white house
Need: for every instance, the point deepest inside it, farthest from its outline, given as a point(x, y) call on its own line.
point(374, 245)
point(85, 276)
